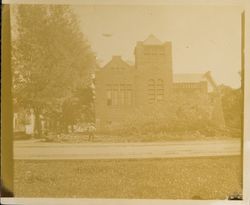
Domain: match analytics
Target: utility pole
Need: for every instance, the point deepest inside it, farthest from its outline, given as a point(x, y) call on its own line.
point(6, 107)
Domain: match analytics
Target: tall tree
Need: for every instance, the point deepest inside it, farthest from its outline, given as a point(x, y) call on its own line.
point(51, 57)
point(79, 108)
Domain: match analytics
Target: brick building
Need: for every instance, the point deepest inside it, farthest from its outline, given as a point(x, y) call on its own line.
point(121, 87)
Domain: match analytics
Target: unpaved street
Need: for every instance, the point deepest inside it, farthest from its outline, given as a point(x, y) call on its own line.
point(42, 150)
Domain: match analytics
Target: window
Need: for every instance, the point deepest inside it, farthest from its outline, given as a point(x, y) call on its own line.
point(151, 91)
point(109, 95)
point(122, 94)
point(119, 94)
point(115, 94)
point(128, 94)
point(154, 51)
point(129, 97)
point(160, 90)
point(155, 90)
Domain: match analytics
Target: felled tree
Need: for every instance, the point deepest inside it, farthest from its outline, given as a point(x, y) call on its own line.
point(51, 57)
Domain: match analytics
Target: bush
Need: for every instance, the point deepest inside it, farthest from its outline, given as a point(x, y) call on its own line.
point(175, 116)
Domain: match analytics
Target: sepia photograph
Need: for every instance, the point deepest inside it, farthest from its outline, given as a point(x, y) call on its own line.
point(118, 101)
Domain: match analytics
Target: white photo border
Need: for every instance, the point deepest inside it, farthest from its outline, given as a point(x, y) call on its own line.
point(246, 151)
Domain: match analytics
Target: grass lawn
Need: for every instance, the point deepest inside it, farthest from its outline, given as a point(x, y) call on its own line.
point(181, 178)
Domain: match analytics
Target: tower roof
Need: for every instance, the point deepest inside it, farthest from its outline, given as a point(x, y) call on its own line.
point(152, 40)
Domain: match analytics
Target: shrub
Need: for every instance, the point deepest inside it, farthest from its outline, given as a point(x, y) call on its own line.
point(177, 115)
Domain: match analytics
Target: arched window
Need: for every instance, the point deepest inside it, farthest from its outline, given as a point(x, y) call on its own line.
point(159, 90)
point(155, 90)
point(151, 91)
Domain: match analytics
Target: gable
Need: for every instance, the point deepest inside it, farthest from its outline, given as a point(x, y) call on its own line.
point(117, 63)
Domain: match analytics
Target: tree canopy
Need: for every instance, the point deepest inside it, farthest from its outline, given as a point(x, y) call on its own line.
point(51, 58)
point(232, 104)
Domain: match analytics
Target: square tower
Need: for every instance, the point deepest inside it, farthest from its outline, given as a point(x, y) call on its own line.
point(152, 56)
point(153, 66)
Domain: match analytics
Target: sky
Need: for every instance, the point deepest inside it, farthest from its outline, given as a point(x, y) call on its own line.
point(204, 38)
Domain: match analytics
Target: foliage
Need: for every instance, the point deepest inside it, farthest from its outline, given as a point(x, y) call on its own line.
point(192, 114)
point(232, 104)
point(79, 107)
point(51, 58)
point(181, 113)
